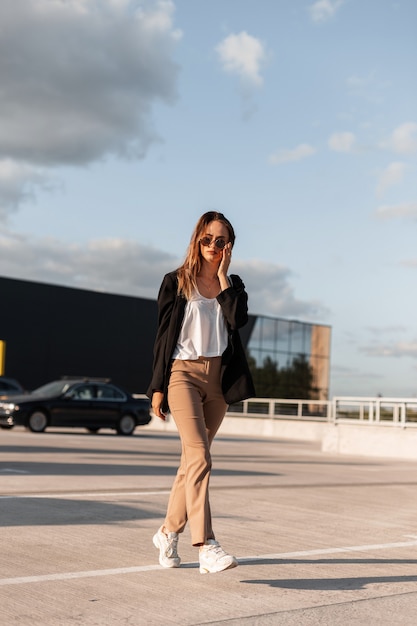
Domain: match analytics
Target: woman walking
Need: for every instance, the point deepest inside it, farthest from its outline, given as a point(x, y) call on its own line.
point(199, 369)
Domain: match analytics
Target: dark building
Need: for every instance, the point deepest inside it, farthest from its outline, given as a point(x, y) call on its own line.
point(50, 331)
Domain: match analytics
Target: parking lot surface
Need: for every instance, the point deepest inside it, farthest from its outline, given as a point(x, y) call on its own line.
point(320, 539)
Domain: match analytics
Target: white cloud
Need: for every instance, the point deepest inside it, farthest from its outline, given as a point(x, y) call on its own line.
point(404, 138)
point(17, 183)
point(382, 331)
point(302, 151)
point(399, 349)
point(370, 86)
point(341, 142)
point(323, 10)
point(392, 175)
point(354, 81)
point(271, 293)
point(350, 373)
point(243, 55)
point(110, 265)
point(78, 78)
point(127, 267)
point(389, 211)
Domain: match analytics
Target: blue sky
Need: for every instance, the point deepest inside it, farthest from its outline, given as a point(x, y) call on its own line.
point(122, 121)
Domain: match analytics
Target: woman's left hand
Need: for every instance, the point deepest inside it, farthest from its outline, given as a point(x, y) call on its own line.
point(156, 402)
point(225, 262)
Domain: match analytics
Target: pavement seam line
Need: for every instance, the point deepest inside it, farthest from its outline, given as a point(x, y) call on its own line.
point(22, 580)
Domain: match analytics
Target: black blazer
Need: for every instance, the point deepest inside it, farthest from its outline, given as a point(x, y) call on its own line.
point(236, 381)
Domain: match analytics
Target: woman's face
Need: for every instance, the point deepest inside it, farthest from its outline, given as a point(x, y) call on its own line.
point(214, 233)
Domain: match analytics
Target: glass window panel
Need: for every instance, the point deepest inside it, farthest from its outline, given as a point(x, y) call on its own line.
point(255, 340)
point(296, 338)
point(280, 344)
point(308, 329)
point(300, 338)
point(256, 355)
point(283, 336)
point(269, 334)
point(269, 356)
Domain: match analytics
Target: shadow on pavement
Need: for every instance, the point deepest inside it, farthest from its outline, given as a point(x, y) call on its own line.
point(331, 584)
point(61, 512)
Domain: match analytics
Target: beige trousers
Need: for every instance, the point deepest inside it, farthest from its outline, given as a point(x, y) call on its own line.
point(198, 407)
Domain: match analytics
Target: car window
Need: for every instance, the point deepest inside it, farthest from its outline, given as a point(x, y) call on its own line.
point(83, 392)
point(9, 385)
point(108, 392)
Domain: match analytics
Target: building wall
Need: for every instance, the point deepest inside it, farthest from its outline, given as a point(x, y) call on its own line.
point(53, 331)
point(320, 359)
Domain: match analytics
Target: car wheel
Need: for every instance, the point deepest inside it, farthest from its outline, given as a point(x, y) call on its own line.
point(126, 425)
point(37, 421)
point(93, 431)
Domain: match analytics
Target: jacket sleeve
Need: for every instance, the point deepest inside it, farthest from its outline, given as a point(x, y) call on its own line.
point(166, 300)
point(234, 303)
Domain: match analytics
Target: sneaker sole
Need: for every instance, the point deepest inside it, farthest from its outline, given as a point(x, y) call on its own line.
point(204, 570)
point(167, 564)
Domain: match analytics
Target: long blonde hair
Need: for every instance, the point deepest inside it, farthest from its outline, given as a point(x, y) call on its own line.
point(187, 273)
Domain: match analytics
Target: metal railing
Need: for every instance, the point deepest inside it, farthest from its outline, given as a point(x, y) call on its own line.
point(316, 410)
point(361, 410)
point(400, 412)
point(385, 411)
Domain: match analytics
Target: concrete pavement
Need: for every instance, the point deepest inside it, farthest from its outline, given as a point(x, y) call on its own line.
point(320, 538)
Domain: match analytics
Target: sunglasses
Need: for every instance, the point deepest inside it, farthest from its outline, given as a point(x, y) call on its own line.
point(219, 242)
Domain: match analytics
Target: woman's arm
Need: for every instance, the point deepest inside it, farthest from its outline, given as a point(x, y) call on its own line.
point(166, 300)
point(234, 303)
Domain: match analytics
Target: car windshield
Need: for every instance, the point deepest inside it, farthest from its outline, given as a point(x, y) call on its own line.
point(52, 389)
point(9, 386)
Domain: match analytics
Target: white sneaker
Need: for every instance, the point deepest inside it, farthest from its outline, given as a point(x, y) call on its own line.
point(167, 546)
point(214, 559)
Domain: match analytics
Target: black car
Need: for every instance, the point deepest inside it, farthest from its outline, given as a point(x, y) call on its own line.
point(10, 387)
point(86, 403)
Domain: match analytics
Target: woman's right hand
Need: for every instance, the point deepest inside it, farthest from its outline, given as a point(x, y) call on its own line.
point(157, 400)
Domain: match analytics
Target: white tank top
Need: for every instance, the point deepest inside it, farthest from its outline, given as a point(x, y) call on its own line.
point(203, 331)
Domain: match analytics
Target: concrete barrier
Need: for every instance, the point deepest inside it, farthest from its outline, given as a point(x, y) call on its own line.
point(297, 429)
point(371, 440)
point(364, 439)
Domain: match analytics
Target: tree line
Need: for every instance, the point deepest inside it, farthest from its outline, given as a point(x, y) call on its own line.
point(292, 381)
